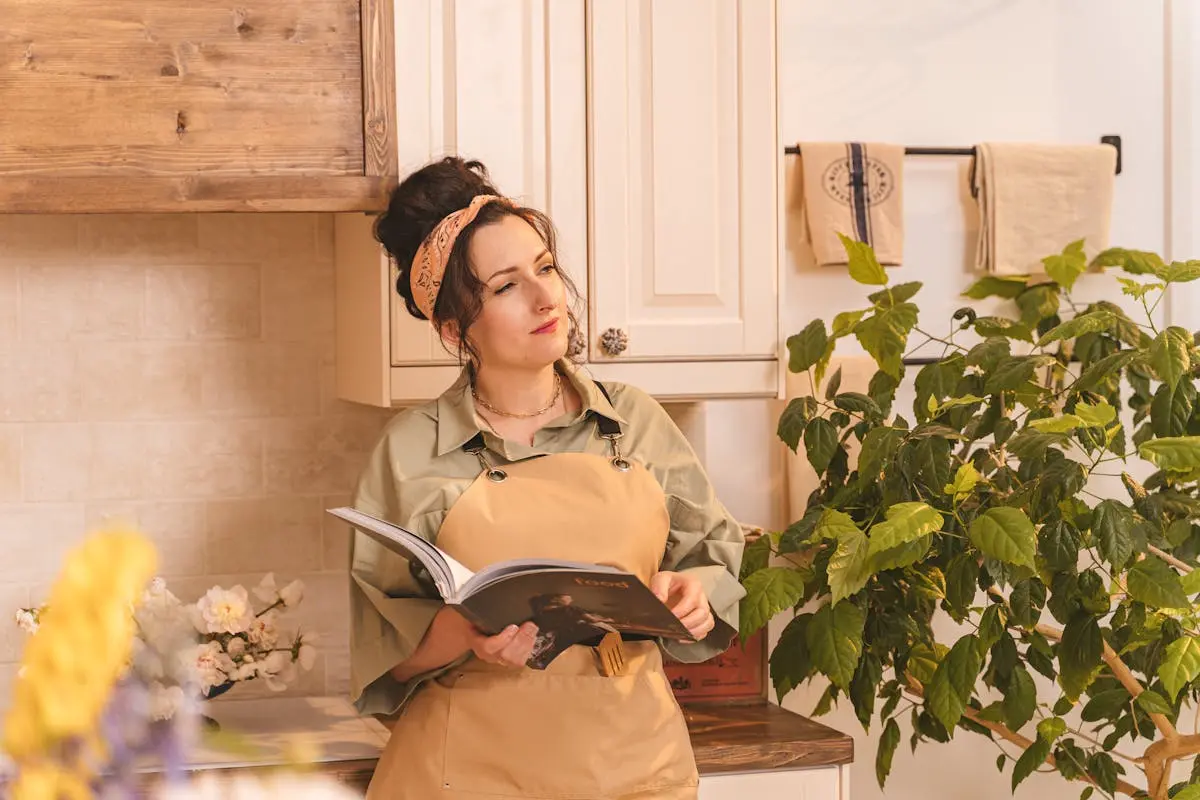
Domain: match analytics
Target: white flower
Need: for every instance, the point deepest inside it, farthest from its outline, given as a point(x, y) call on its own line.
point(27, 621)
point(277, 670)
point(292, 594)
point(236, 647)
point(164, 700)
point(306, 653)
point(213, 666)
point(224, 611)
point(266, 590)
point(263, 632)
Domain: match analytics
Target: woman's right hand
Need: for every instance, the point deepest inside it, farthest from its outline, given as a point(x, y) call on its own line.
point(450, 635)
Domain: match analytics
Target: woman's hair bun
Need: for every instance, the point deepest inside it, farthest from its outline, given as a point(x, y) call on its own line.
point(419, 203)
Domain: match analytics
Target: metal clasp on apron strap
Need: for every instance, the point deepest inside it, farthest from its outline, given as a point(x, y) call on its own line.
point(612, 431)
point(475, 447)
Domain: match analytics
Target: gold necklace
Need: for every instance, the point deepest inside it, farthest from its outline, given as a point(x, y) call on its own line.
point(553, 402)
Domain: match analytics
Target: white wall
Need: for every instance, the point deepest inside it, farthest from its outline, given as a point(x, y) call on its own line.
point(953, 73)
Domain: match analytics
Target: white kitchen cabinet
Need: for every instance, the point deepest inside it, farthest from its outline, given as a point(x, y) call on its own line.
point(822, 783)
point(647, 130)
point(683, 174)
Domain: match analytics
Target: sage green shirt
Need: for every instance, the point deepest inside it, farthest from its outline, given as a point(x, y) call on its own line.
point(418, 470)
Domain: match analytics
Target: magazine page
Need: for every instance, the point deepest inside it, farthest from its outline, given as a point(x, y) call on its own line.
point(448, 574)
point(572, 606)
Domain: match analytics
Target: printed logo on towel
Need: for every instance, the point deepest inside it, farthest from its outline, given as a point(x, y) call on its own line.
point(838, 180)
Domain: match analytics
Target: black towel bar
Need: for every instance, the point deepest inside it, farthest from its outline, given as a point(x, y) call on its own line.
point(1113, 139)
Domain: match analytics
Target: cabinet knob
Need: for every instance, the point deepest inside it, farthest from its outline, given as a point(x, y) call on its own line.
point(576, 345)
point(614, 341)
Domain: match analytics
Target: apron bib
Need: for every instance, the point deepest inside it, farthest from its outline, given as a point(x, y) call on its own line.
point(567, 732)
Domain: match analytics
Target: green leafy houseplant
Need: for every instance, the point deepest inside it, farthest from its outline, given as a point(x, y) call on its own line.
point(982, 502)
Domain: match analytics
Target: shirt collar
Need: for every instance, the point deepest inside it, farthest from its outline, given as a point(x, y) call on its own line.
point(456, 422)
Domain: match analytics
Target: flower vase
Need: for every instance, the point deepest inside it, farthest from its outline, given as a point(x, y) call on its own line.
point(213, 693)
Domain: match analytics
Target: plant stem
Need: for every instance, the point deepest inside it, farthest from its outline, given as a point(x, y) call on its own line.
point(1170, 559)
point(915, 688)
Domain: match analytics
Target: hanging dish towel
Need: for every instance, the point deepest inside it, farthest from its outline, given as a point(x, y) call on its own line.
point(1035, 199)
point(855, 189)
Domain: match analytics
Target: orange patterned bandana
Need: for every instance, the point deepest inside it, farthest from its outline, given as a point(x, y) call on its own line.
point(429, 264)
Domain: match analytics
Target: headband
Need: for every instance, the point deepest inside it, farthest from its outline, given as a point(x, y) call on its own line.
point(429, 264)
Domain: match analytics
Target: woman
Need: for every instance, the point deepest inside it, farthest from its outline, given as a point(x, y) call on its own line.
point(525, 456)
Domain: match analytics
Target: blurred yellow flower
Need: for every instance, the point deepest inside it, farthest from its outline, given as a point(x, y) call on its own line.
point(69, 667)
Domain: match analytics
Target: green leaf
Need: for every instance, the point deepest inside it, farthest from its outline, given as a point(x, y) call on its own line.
point(1104, 705)
point(1170, 355)
point(989, 353)
point(1108, 367)
point(796, 535)
point(961, 576)
point(1051, 728)
point(906, 522)
point(923, 661)
point(843, 323)
point(864, 266)
point(878, 448)
point(884, 335)
point(1152, 702)
point(835, 383)
point(756, 556)
point(768, 592)
point(794, 420)
point(1038, 303)
point(1191, 582)
point(887, 749)
point(1015, 372)
point(835, 641)
point(996, 286)
point(1059, 545)
point(895, 294)
point(857, 403)
point(991, 626)
point(1171, 411)
point(806, 348)
point(1066, 267)
point(1034, 756)
point(790, 661)
point(1179, 271)
point(1152, 582)
point(820, 443)
point(954, 681)
point(1137, 289)
point(1005, 534)
point(1112, 526)
point(1175, 453)
point(1002, 326)
point(837, 525)
point(1064, 423)
point(1135, 262)
point(901, 556)
point(849, 569)
point(965, 480)
point(1095, 416)
point(1189, 792)
point(1079, 654)
point(1103, 770)
point(1020, 701)
point(1093, 322)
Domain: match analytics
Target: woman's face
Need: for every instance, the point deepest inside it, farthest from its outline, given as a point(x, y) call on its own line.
point(523, 321)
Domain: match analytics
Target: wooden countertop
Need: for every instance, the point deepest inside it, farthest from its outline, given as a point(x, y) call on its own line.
point(726, 738)
point(762, 736)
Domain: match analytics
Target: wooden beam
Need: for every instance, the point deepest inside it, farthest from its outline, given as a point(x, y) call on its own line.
point(379, 88)
point(132, 195)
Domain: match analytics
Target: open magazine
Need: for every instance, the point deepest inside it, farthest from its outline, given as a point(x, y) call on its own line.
point(570, 602)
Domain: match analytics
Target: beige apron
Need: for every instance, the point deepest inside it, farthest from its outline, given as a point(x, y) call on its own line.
point(486, 731)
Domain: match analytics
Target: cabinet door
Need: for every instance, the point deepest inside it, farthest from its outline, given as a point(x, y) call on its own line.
point(684, 160)
point(501, 81)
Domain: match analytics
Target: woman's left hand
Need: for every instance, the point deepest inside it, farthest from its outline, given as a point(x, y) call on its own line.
point(685, 596)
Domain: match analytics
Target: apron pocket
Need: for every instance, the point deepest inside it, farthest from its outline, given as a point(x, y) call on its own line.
point(565, 737)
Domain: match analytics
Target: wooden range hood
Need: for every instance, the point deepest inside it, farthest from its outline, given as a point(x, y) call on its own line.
point(132, 106)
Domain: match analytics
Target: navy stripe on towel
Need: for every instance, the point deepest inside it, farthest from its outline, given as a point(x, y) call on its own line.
point(859, 204)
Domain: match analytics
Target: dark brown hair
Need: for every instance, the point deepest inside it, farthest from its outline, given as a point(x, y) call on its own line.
point(418, 204)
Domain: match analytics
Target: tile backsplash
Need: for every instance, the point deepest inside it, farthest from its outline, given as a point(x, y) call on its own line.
point(177, 371)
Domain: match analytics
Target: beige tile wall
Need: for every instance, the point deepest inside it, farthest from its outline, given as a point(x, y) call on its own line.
point(177, 371)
